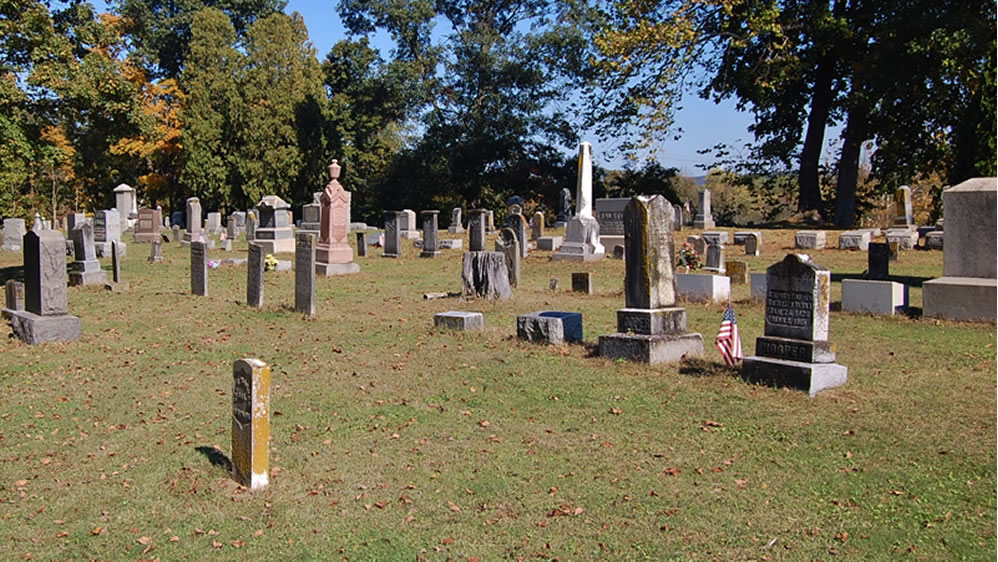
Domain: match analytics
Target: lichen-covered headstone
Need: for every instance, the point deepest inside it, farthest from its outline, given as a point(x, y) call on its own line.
point(251, 423)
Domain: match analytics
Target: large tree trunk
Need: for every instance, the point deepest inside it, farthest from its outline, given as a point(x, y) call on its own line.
point(845, 188)
point(821, 102)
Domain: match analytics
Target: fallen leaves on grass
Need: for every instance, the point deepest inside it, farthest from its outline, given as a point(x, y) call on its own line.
point(453, 506)
point(672, 471)
point(565, 510)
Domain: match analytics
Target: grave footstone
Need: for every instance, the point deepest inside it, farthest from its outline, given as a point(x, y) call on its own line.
point(874, 297)
point(393, 237)
point(651, 329)
point(250, 423)
point(854, 240)
point(13, 234)
point(361, 244)
point(509, 245)
point(333, 254)
point(85, 269)
point(430, 233)
point(549, 243)
point(305, 273)
point(44, 318)
point(254, 275)
point(582, 234)
point(14, 298)
point(199, 268)
point(795, 350)
point(698, 287)
point(456, 226)
point(905, 239)
point(704, 219)
point(156, 252)
point(582, 282)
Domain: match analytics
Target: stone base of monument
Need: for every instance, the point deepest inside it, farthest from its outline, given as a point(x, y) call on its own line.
point(429, 253)
point(459, 320)
point(702, 223)
point(104, 249)
point(970, 299)
point(549, 243)
point(665, 348)
point(283, 246)
point(810, 377)
point(87, 273)
point(576, 252)
point(581, 242)
point(609, 241)
point(549, 326)
point(484, 274)
point(716, 237)
point(33, 329)
point(330, 269)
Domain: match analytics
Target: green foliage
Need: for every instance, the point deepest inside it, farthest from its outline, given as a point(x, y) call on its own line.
point(651, 178)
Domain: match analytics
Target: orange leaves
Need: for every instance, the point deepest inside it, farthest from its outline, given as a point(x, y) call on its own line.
point(565, 510)
point(672, 471)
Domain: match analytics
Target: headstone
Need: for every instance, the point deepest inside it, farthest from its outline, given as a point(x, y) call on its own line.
point(148, 226)
point(651, 329)
point(564, 208)
point(759, 287)
point(251, 223)
point(878, 261)
point(430, 233)
point(156, 252)
point(699, 245)
point(460, 321)
point(737, 271)
point(128, 212)
point(213, 223)
point(85, 269)
point(456, 226)
point(553, 284)
point(175, 235)
point(874, 297)
point(177, 219)
point(74, 220)
point(696, 287)
point(407, 225)
point(582, 282)
point(549, 243)
point(393, 237)
point(311, 218)
point(704, 219)
point(476, 230)
point(333, 254)
point(582, 234)
point(934, 240)
point(618, 252)
point(537, 226)
point(742, 236)
point(305, 273)
point(484, 274)
point(193, 230)
point(115, 263)
point(854, 240)
point(752, 243)
point(550, 327)
point(44, 318)
point(809, 239)
point(677, 223)
point(250, 423)
point(795, 351)
point(518, 224)
point(199, 268)
point(905, 239)
point(490, 221)
point(254, 275)
point(361, 244)
point(274, 230)
point(509, 245)
point(967, 289)
point(715, 259)
point(610, 216)
point(903, 215)
point(107, 229)
point(13, 234)
point(14, 298)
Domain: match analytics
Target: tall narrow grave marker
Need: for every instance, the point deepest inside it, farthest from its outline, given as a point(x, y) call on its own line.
point(305, 273)
point(250, 423)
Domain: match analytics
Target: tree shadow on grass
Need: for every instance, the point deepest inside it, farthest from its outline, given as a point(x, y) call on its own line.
point(699, 367)
point(216, 457)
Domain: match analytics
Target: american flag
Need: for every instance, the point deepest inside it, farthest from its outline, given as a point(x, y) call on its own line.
point(727, 341)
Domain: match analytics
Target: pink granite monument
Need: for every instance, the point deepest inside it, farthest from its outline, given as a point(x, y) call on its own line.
point(333, 254)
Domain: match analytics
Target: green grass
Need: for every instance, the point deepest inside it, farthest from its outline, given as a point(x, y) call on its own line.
point(380, 447)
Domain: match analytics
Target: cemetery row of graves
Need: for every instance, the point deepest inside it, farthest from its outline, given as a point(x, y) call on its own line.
point(558, 396)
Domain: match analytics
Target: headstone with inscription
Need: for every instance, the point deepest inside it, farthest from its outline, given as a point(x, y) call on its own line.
point(610, 216)
point(715, 259)
point(393, 237)
point(148, 226)
point(407, 225)
point(651, 328)
point(582, 234)
point(274, 231)
point(333, 254)
point(305, 273)
point(254, 275)
point(752, 243)
point(564, 208)
point(509, 244)
point(903, 215)
point(193, 230)
point(199, 268)
point(13, 234)
point(107, 229)
point(476, 230)
point(582, 282)
point(45, 318)
point(85, 269)
point(794, 350)
point(251, 423)
point(518, 223)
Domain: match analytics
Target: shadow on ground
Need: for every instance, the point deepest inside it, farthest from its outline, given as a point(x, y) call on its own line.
point(215, 457)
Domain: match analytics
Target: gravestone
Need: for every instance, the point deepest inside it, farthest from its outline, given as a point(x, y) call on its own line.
point(125, 203)
point(509, 245)
point(213, 223)
point(906, 239)
point(537, 226)
point(254, 275)
point(715, 259)
point(393, 237)
point(115, 265)
point(582, 233)
point(177, 218)
point(107, 230)
point(14, 298)
point(74, 220)
point(677, 223)
point(874, 297)
point(934, 240)
point(903, 215)
point(193, 230)
point(699, 245)
point(752, 243)
point(582, 282)
point(518, 223)
point(476, 230)
point(407, 225)
point(490, 222)
point(156, 252)
point(13, 234)
point(236, 225)
point(698, 287)
point(361, 244)
point(650, 329)
point(704, 219)
point(458, 320)
point(878, 261)
point(85, 269)
point(44, 318)
point(250, 423)
point(737, 272)
point(564, 208)
point(274, 232)
point(610, 216)
point(175, 235)
point(550, 326)
point(451, 244)
point(809, 239)
point(305, 267)
point(333, 254)
point(456, 226)
point(618, 252)
point(311, 218)
point(251, 223)
point(484, 274)
point(549, 243)
point(715, 237)
point(148, 226)
point(855, 240)
point(742, 236)
point(430, 232)
point(199, 268)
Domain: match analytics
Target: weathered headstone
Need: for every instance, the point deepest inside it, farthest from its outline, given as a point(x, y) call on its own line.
point(177, 218)
point(115, 263)
point(550, 326)
point(618, 252)
point(903, 215)
point(199, 268)
point(906, 239)
point(274, 231)
point(715, 237)
point(430, 233)
point(156, 251)
point(795, 351)
point(610, 216)
point(128, 212)
point(715, 259)
point(582, 234)
point(305, 273)
point(333, 254)
point(393, 237)
point(107, 229)
point(484, 274)
point(85, 269)
point(458, 320)
point(537, 226)
point(582, 282)
point(361, 243)
point(148, 226)
point(854, 240)
point(677, 223)
point(651, 329)
point(934, 240)
point(45, 317)
point(311, 218)
point(509, 245)
point(251, 224)
point(37, 225)
point(741, 236)
point(737, 271)
point(13, 234)
point(254, 275)
point(873, 297)
point(878, 261)
point(476, 230)
point(704, 218)
point(175, 235)
point(407, 225)
point(213, 222)
point(809, 239)
point(752, 243)
point(193, 230)
point(518, 223)
point(14, 298)
point(250, 423)
point(564, 208)
point(456, 227)
point(490, 221)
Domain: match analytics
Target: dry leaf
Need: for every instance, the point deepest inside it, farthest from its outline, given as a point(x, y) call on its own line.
point(484, 423)
point(616, 411)
point(238, 544)
point(144, 541)
point(216, 544)
point(258, 533)
point(672, 471)
point(453, 507)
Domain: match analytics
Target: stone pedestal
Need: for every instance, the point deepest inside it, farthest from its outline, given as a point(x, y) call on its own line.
point(809, 377)
point(581, 242)
point(697, 287)
point(333, 254)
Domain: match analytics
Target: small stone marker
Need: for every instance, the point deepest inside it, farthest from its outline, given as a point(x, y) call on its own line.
point(537, 228)
point(305, 273)
point(751, 245)
point(361, 244)
point(393, 238)
point(116, 283)
point(156, 252)
point(476, 230)
point(742, 236)
point(250, 423)
point(14, 298)
point(460, 321)
point(509, 245)
point(737, 271)
point(430, 243)
point(582, 282)
point(199, 269)
point(456, 226)
point(873, 297)
point(553, 284)
point(549, 243)
point(85, 269)
point(878, 261)
point(855, 240)
point(809, 239)
point(905, 239)
point(934, 240)
point(549, 326)
point(795, 351)
point(44, 317)
point(696, 287)
point(254, 276)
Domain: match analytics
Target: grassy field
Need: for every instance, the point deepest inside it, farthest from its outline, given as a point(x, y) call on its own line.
point(393, 441)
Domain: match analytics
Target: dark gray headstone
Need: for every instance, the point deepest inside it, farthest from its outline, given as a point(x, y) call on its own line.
point(115, 263)
point(476, 230)
point(393, 237)
point(798, 292)
point(878, 261)
point(361, 244)
point(305, 273)
point(511, 250)
point(45, 273)
point(254, 275)
point(582, 282)
point(715, 257)
point(430, 242)
point(15, 295)
point(199, 268)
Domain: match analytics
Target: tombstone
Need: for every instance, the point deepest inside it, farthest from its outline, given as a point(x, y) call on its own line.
point(451, 244)
point(610, 216)
point(514, 201)
point(476, 230)
point(967, 289)
point(549, 243)
point(175, 235)
point(741, 236)
point(905, 239)
point(251, 223)
point(758, 281)
point(333, 254)
point(677, 223)
point(37, 225)
point(74, 220)
point(934, 240)
point(855, 240)
point(564, 208)
point(236, 224)
point(550, 327)
point(582, 234)
point(878, 261)
point(361, 244)
point(107, 230)
point(509, 244)
point(305, 266)
point(115, 263)
point(490, 221)
point(484, 274)
point(553, 284)
point(715, 259)
point(254, 275)
point(809, 239)
point(14, 299)
point(696, 287)
point(737, 272)
point(148, 225)
point(128, 212)
point(582, 282)
point(458, 320)
point(213, 223)
point(704, 219)
point(650, 329)
point(795, 350)
point(718, 237)
point(518, 223)
point(618, 252)
point(884, 298)
point(455, 221)
point(407, 225)
point(250, 423)
point(430, 232)
point(85, 269)
point(699, 245)
point(537, 227)
point(13, 234)
point(199, 268)
point(311, 218)
point(274, 231)
point(156, 252)
point(44, 318)
point(393, 237)
point(177, 218)
point(193, 224)
point(752, 243)
point(903, 215)
point(64, 225)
